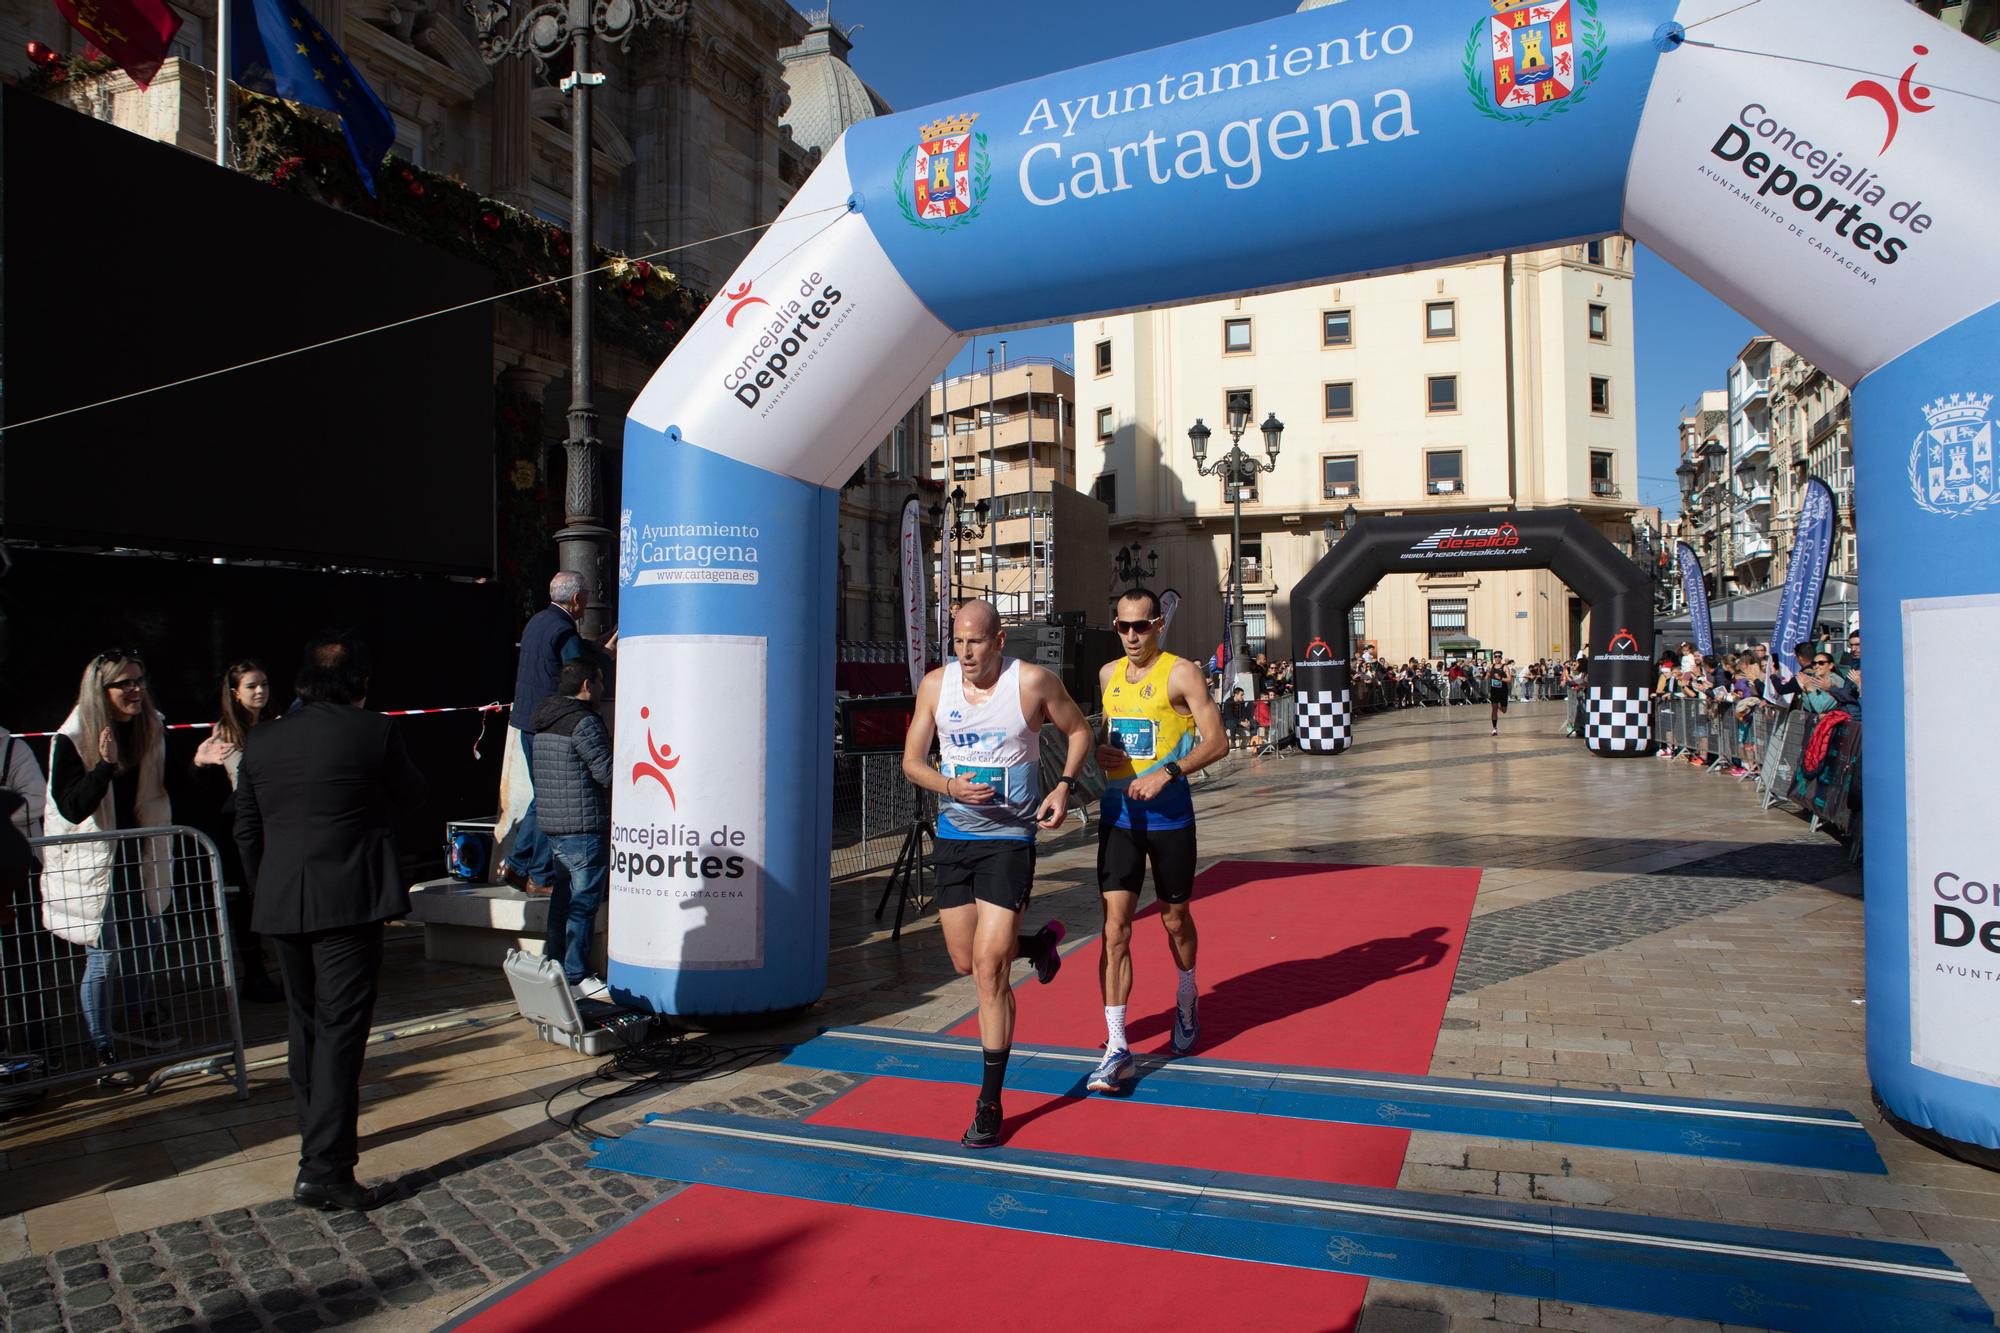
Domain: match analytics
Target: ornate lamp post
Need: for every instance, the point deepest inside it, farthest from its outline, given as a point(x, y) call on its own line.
point(1239, 470)
point(952, 528)
point(1331, 532)
point(1127, 564)
point(545, 32)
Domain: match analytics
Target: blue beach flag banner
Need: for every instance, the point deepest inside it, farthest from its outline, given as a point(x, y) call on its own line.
point(1805, 577)
point(1695, 589)
point(278, 48)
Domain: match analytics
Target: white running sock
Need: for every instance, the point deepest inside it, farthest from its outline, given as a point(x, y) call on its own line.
point(1114, 1027)
point(1187, 991)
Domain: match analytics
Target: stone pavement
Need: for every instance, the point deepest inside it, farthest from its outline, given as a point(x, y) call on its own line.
point(1639, 925)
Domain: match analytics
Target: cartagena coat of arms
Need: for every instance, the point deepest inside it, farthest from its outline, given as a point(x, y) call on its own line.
point(943, 180)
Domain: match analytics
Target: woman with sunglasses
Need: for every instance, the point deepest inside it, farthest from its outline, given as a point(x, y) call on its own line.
point(107, 771)
point(246, 702)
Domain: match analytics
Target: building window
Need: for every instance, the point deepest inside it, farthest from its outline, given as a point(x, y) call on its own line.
point(1235, 335)
point(1247, 488)
point(1105, 491)
point(964, 471)
point(1593, 252)
point(1444, 472)
point(1251, 553)
point(1602, 480)
point(1448, 621)
point(1357, 627)
point(1443, 394)
point(1441, 319)
point(1104, 427)
point(1600, 394)
point(1340, 400)
point(1104, 357)
point(1254, 629)
point(1340, 476)
point(1600, 324)
point(1245, 399)
point(1336, 328)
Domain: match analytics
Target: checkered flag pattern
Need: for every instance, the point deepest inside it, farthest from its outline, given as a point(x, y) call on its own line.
point(1325, 721)
point(1618, 719)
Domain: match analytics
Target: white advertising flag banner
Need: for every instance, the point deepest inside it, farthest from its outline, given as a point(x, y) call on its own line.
point(687, 830)
point(1954, 919)
point(914, 609)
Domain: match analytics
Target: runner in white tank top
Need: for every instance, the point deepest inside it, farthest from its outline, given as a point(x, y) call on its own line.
point(986, 713)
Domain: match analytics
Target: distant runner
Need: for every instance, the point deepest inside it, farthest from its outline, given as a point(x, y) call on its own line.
point(1154, 704)
point(987, 712)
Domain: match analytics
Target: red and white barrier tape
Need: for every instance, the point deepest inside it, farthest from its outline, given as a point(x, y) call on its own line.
point(484, 709)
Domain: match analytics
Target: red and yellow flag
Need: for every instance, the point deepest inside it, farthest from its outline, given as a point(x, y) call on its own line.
point(135, 33)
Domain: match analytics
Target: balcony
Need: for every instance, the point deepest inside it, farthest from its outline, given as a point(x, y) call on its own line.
point(1757, 495)
point(1444, 486)
point(1754, 547)
point(1752, 390)
point(1342, 490)
point(1754, 449)
point(1250, 569)
point(1603, 488)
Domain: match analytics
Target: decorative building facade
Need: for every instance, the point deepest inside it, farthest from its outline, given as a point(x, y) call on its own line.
point(1496, 384)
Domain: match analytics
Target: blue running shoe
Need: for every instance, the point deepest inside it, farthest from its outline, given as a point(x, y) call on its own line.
point(1187, 1025)
point(1114, 1073)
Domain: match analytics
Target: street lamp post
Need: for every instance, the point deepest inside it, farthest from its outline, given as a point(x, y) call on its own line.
point(545, 32)
point(1127, 564)
point(952, 528)
point(1240, 470)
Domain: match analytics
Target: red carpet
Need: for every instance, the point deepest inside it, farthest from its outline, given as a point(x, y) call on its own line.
point(1302, 965)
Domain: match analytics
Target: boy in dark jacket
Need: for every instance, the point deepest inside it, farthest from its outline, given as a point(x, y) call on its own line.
point(572, 767)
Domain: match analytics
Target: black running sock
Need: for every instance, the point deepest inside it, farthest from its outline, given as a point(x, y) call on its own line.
point(1031, 946)
point(993, 1073)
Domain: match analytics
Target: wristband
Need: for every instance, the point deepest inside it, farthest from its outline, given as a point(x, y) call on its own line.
point(1173, 769)
point(1067, 779)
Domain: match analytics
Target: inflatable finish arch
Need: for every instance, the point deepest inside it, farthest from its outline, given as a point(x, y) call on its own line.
point(1618, 717)
point(1813, 162)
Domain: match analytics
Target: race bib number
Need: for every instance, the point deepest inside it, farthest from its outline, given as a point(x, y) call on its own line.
point(996, 778)
point(1134, 735)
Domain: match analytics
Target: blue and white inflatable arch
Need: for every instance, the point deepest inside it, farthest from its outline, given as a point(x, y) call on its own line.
point(1823, 165)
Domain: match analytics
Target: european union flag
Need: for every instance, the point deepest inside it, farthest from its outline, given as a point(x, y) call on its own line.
point(277, 47)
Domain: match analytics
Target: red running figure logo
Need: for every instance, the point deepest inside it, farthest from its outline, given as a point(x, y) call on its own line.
point(742, 297)
point(1908, 97)
point(664, 758)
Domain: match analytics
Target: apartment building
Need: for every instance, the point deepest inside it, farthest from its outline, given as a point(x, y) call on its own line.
point(1495, 384)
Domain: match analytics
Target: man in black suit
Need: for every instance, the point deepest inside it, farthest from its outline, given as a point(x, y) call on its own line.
point(315, 800)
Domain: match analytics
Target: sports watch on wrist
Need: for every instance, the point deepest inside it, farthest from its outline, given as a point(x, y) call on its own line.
point(1069, 779)
point(1173, 769)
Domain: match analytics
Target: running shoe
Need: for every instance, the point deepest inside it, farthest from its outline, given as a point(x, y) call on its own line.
point(984, 1132)
point(1045, 958)
point(1187, 1024)
point(1114, 1073)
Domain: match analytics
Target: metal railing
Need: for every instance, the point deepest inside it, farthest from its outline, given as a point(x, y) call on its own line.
point(119, 966)
point(874, 805)
point(1766, 744)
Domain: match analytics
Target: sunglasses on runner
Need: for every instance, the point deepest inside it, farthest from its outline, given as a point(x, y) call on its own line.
point(1135, 626)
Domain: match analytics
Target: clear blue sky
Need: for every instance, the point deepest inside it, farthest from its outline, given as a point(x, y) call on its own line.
point(915, 52)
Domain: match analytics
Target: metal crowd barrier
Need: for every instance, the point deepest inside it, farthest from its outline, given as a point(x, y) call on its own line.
point(873, 808)
point(150, 995)
point(1771, 742)
point(874, 805)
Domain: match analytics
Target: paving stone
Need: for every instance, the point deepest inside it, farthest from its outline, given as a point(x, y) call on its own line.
point(298, 1321)
point(83, 1298)
point(97, 1320)
point(166, 1316)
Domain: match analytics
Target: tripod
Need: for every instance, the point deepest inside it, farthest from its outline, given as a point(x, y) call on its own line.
point(906, 878)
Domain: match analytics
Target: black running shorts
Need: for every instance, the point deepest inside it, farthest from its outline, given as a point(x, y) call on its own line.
point(1123, 853)
point(1000, 871)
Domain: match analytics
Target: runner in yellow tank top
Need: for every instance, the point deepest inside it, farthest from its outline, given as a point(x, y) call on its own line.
point(1155, 705)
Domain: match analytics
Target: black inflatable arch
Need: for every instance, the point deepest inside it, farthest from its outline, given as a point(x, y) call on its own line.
point(1618, 707)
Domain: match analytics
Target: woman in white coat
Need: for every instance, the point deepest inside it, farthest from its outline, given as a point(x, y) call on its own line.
point(107, 771)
